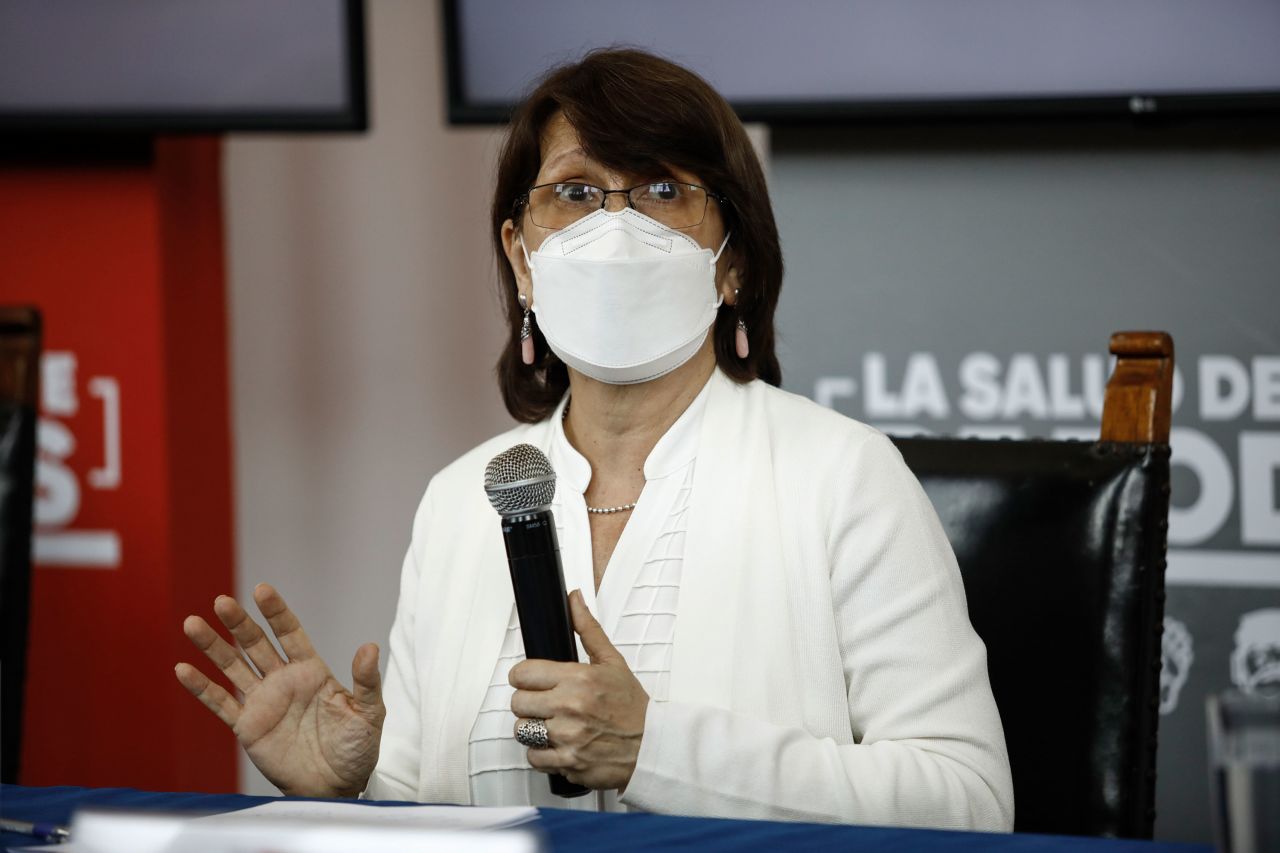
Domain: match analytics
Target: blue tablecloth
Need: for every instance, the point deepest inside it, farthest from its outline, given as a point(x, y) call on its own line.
point(617, 833)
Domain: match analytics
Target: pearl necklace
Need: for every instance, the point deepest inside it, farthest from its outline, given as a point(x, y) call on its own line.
point(597, 510)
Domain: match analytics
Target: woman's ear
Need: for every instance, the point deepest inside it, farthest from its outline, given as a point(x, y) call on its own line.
point(730, 283)
point(511, 244)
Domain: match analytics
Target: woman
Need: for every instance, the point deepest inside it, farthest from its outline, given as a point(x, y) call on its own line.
point(784, 632)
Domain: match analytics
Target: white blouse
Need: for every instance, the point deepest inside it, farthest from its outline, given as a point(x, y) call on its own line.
point(636, 605)
point(822, 667)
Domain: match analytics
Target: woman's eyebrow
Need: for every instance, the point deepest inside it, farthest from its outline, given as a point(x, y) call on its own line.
point(563, 155)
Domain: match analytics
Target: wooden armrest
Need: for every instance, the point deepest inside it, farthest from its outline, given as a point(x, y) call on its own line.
point(1139, 398)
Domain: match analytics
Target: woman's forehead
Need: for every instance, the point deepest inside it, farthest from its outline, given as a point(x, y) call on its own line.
point(562, 151)
point(557, 132)
point(559, 140)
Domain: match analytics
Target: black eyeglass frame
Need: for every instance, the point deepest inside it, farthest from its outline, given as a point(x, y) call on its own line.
point(522, 200)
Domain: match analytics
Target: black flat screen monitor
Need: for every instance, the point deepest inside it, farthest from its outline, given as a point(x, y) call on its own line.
point(182, 65)
point(840, 60)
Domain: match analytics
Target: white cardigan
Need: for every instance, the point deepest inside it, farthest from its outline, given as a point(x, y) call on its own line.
point(823, 667)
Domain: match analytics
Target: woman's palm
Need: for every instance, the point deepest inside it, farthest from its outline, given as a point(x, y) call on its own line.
point(307, 733)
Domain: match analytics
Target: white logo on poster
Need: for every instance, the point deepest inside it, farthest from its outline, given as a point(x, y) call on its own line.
point(58, 490)
point(982, 395)
point(1176, 657)
point(1255, 661)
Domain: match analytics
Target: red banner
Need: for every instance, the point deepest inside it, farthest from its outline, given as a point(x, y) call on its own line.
point(133, 501)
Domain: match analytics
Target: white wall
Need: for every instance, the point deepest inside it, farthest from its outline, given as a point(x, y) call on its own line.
point(363, 335)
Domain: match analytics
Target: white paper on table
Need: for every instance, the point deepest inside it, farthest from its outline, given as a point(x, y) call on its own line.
point(146, 833)
point(422, 817)
point(308, 827)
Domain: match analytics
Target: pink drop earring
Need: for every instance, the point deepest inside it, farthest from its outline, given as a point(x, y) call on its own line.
point(526, 331)
point(740, 337)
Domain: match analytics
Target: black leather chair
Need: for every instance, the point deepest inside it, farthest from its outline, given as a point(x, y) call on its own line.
point(1062, 549)
point(19, 371)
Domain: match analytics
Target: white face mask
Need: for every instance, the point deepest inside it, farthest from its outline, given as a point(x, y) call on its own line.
point(622, 297)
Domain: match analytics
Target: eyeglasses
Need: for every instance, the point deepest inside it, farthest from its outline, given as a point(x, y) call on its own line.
point(673, 203)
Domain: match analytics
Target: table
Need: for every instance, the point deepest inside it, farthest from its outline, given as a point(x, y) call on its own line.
point(618, 833)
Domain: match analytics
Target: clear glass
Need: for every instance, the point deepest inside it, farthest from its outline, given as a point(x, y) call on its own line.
point(1244, 763)
point(673, 203)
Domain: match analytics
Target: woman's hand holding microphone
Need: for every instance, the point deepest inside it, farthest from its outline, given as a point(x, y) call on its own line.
point(308, 734)
point(593, 713)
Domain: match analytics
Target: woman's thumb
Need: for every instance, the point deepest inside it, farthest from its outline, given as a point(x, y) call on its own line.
point(594, 639)
point(366, 681)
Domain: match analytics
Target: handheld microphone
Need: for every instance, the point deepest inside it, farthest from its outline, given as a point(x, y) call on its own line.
point(521, 483)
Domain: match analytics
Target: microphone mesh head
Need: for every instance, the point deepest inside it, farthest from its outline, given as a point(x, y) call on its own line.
point(519, 479)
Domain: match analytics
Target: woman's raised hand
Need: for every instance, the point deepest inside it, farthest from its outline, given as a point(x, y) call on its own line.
point(308, 734)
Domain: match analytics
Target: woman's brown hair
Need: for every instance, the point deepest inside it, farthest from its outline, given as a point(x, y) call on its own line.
point(639, 113)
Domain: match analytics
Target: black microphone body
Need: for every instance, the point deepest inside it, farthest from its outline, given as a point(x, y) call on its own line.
point(533, 556)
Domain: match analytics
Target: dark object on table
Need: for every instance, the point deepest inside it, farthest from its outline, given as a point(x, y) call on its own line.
point(19, 373)
point(1062, 549)
point(38, 831)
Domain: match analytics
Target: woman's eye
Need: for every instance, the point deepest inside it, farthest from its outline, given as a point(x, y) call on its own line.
point(574, 193)
point(663, 191)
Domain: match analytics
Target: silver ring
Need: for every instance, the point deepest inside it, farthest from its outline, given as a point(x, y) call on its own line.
point(533, 733)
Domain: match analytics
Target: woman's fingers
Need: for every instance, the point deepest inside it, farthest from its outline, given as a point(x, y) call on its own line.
point(535, 674)
point(212, 696)
point(550, 760)
point(540, 704)
point(248, 635)
point(366, 682)
point(219, 651)
point(284, 624)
